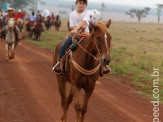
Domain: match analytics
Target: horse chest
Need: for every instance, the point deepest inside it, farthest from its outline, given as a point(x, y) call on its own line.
point(10, 37)
point(85, 82)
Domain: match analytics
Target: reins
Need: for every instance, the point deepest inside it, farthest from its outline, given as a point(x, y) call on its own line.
point(85, 49)
point(81, 69)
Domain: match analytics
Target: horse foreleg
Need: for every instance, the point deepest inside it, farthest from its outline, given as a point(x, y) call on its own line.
point(85, 103)
point(62, 91)
point(68, 100)
point(7, 51)
point(67, 103)
point(12, 51)
point(77, 107)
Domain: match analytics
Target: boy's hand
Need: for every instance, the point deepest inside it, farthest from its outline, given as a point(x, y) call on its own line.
point(75, 30)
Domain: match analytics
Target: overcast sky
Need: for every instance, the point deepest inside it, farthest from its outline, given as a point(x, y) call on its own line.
point(150, 3)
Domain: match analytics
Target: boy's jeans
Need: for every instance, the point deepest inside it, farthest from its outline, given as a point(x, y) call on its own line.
point(64, 46)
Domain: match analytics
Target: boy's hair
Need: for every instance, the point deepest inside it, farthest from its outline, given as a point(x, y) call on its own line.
point(85, 1)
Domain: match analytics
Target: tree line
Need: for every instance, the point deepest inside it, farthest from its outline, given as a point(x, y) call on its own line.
point(140, 13)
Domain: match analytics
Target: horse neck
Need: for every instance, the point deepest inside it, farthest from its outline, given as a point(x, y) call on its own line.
point(10, 36)
point(89, 45)
point(57, 19)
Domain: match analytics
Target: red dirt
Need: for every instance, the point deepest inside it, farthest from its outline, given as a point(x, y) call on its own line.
point(29, 92)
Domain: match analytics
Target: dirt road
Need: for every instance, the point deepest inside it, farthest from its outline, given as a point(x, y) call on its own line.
point(29, 92)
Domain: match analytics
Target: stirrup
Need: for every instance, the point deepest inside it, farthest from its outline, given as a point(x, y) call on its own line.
point(56, 67)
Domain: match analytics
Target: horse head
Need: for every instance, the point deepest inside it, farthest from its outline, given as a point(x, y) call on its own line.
point(11, 24)
point(102, 41)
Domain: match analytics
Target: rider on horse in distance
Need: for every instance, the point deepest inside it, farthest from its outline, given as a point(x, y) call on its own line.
point(10, 14)
point(19, 15)
point(32, 19)
point(38, 21)
point(52, 16)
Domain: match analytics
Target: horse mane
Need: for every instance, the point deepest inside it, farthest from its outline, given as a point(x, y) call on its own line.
point(11, 21)
point(102, 27)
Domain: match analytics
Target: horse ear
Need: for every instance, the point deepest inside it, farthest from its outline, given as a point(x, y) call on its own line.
point(93, 25)
point(108, 23)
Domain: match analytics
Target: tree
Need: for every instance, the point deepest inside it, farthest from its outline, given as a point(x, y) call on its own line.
point(102, 9)
point(159, 8)
point(72, 7)
point(139, 13)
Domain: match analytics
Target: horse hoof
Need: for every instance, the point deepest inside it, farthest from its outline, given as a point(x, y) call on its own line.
point(12, 57)
point(61, 120)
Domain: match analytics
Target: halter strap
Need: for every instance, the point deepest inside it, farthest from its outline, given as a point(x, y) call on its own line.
point(81, 69)
point(87, 51)
point(97, 48)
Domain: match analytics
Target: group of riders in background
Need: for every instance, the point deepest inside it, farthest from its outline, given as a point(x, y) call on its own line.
point(32, 22)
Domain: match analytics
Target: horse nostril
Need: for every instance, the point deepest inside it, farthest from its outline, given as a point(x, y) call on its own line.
point(106, 61)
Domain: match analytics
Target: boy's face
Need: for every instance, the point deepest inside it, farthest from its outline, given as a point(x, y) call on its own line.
point(81, 5)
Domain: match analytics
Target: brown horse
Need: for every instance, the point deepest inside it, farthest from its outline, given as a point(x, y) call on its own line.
point(37, 31)
point(57, 24)
point(84, 70)
point(20, 24)
point(1, 23)
point(48, 23)
point(29, 27)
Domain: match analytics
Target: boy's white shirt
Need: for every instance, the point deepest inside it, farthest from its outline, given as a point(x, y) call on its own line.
point(76, 18)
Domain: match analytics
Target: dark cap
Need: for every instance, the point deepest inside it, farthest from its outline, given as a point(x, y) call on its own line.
point(85, 1)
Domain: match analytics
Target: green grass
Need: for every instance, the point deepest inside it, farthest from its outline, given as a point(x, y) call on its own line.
point(136, 48)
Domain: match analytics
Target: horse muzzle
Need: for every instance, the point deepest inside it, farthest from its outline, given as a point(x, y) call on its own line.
point(10, 29)
point(106, 61)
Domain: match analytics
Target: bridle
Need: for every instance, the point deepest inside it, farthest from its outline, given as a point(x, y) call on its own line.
point(83, 70)
point(99, 53)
